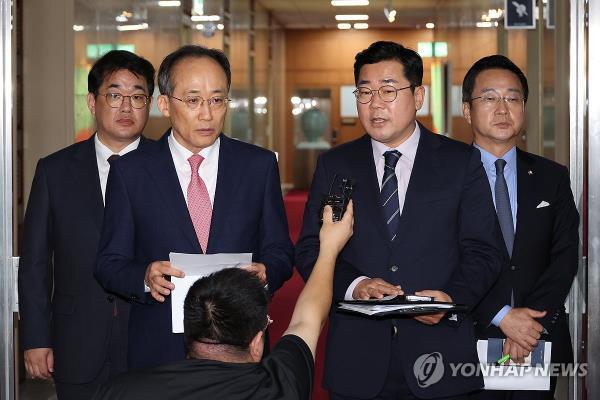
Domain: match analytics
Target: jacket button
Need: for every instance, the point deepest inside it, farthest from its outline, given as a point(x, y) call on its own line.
point(513, 267)
point(394, 268)
point(110, 298)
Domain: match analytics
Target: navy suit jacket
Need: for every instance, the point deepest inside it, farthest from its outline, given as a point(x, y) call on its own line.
point(545, 253)
point(447, 240)
point(146, 218)
point(61, 304)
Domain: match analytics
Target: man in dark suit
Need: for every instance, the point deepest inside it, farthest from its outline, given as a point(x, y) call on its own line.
point(71, 329)
point(537, 216)
point(194, 191)
point(424, 223)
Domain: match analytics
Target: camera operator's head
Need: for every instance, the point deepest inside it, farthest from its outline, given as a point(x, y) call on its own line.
point(225, 316)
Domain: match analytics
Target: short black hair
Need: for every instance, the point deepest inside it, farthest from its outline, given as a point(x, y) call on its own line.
point(386, 51)
point(228, 307)
point(496, 61)
point(116, 60)
point(165, 84)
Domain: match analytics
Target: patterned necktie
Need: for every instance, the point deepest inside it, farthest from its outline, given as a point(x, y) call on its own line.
point(199, 203)
point(388, 197)
point(503, 206)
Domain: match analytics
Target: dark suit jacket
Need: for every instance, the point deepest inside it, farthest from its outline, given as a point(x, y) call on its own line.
point(447, 240)
point(545, 253)
point(61, 304)
point(146, 218)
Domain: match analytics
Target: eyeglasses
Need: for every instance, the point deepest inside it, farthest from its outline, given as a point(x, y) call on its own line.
point(492, 99)
point(387, 93)
point(269, 322)
point(193, 102)
point(115, 100)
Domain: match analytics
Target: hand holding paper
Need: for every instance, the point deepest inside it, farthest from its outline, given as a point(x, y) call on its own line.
point(155, 279)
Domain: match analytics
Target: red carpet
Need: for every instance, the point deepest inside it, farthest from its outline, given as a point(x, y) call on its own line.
point(284, 300)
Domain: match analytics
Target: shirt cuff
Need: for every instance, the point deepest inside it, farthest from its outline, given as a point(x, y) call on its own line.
point(348, 295)
point(500, 315)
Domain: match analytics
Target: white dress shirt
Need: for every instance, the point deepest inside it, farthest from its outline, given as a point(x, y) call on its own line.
point(208, 168)
point(102, 154)
point(403, 170)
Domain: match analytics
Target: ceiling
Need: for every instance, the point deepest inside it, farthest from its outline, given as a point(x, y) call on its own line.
point(292, 14)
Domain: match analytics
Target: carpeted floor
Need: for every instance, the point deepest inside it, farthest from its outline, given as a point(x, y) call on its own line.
point(285, 298)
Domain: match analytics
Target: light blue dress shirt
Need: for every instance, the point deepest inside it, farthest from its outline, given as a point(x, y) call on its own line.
point(510, 174)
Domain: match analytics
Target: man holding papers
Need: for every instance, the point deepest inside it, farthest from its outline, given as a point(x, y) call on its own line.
point(537, 216)
point(425, 222)
point(194, 191)
point(225, 319)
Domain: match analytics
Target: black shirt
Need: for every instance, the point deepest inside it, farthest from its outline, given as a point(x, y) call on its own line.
point(286, 373)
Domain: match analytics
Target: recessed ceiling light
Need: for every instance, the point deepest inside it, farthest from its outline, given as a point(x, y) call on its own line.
point(430, 25)
point(361, 25)
point(484, 24)
point(352, 17)
point(205, 18)
point(169, 3)
point(344, 25)
point(346, 3)
point(136, 27)
point(78, 28)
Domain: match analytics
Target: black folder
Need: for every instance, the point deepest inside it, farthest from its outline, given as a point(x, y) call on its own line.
point(393, 306)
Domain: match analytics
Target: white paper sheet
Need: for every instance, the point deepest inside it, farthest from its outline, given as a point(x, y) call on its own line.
point(514, 377)
point(195, 267)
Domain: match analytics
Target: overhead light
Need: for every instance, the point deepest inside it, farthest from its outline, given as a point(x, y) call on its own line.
point(352, 17)
point(199, 27)
point(121, 18)
point(484, 24)
point(390, 15)
point(78, 28)
point(220, 27)
point(361, 25)
point(169, 3)
point(344, 25)
point(430, 25)
point(205, 18)
point(349, 3)
point(136, 27)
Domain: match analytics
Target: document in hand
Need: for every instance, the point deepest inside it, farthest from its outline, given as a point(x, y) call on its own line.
point(195, 267)
point(398, 305)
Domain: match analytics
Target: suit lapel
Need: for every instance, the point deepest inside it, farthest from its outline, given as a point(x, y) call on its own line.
point(87, 180)
point(367, 197)
point(526, 181)
point(162, 170)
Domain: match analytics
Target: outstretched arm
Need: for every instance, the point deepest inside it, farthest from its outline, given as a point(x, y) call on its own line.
point(314, 301)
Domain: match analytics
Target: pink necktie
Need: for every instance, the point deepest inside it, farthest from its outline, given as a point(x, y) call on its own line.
point(199, 203)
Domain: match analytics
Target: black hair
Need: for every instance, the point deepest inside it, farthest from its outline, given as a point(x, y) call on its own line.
point(496, 61)
point(165, 83)
point(386, 51)
point(116, 60)
point(228, 307)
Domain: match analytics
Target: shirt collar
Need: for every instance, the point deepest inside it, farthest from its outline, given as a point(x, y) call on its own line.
point(182, 154)
point(488, 159)
point(408, 148)
point(104, 152)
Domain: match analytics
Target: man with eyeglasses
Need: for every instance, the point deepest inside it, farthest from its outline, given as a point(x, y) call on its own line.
point(538, 219)
point(225, 319)
point(71, 329)
point(424, 224)
point(194, 191)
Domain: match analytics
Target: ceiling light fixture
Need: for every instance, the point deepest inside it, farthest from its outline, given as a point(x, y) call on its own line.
point(361, 25)
point(352, 17)
point(205, 18)
point(349, 3)
point(484, 24)
point(389, 12)
point(344, 25)
point(135, 27)
point(430, 25)
point(169, 3)
point(78, 28)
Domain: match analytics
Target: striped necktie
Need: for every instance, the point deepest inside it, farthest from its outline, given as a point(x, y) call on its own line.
point(388, 196)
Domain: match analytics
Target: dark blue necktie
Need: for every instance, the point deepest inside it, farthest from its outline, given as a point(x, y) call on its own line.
point(388, 196)
point(503, 206)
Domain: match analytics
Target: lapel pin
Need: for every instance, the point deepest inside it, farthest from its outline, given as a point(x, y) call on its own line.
point(530, 172)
